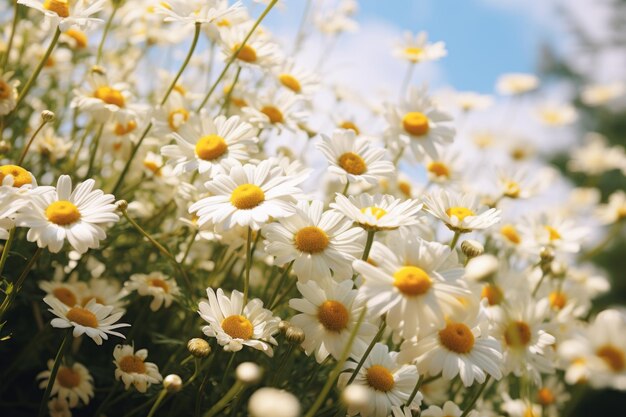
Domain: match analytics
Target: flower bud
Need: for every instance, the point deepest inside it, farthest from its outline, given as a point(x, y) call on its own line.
point(249, 373)
point(272, 402)
point(283, 325)
point(294, 335)
point(172, 383)
point(121, 205)
point(355, 396)
point(47, 116)
point(472, 248)
point(199, 348)
point(481, 268)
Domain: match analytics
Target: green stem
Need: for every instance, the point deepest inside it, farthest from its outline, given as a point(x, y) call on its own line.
point(102, 408)
point(18, 285)
point(345, 189)
point(376, 338)
point(418, 384)
point(476, 397)
point(246, 282)
point(107, 27)
point(455, 240)
point(281, 281)
point(30, 142)
point(368, 245)
point(157, 403)
point(543, 277)
point(7, 53)
point(617, 227)
point(223, 402)
point(230, 91)
point(189, 245)
point(6, 249)
point(53, 373)
point(94, 151)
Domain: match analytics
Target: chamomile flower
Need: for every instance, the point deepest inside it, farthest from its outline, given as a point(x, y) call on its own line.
point(378, 212)
point(329, 314)
point(552, 230)
point(449, 409)
point(15, 179)
point(417, 49)
point(460, 213)
point(551, 395)
point(59, 214)
point(600, 94)
point(258, 51)
point(355, 159)
point(447, 168)
point(317, 242)
point(73, 383)
point(210, 146)
point(58, 407)
point(195, 11)
point(131, 367)
point(388, 382)
point(277, 109)
point(67, 14)
point(418, 124)
point(8, 93)
point(95, 320)
point(614, 210)
point(555, 115)
point(516, 83)
point(248, 196)
point(297, 79)
point(160, 287)
point(235, 325)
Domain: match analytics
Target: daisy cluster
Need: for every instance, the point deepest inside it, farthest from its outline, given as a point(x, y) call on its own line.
point(175, 175)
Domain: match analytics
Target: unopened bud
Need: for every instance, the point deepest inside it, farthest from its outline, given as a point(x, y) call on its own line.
point(98, 70)
point(249, 373)
point(121, 205)
point(199, 348)
point(481, 268)
point(47, 116)
point(472, 248)
point(272, 402)
point(355, 396)
point(294, 335)
point(283, 326)
point(172, 383)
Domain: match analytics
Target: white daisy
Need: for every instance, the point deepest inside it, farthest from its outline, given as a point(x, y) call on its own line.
point(318, 242)
point(417, 49)
point(298, 80)
point(556, 115)
point(516, 83)
point(258, 51)
point(389, 383)
point(379, 212)
point(67, 14)
point(600, 94)
point(355, 159)
point(614, 210)
point(58, 407)
point(248, 196)
point(162, 288)
point(72, 383)
point(13, 177)
point(59, 214)
point(195, 11)
point(210, 145)
point(8, 93)
point(449, 409)
point(552, 230)
point(278, 109)
point(329, 314)
point(131, 367)
point(235, 325)
point(460, 213)
point(95, 320)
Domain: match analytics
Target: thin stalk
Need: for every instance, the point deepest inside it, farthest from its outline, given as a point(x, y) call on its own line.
point(94, 151)
point(18, 285)
point(281, 281)
point(107, 27)
point(407, 79)
point(376, 338)
point(7, 53)
point(157, 403)
point(246, 282)
point(223, 402)
point(476, 397)
point(543, 277)
point(189, 245)
point(345, 189)
point(418, 384)
point(455, 240)
point(30, 142)
point(300, 33)
point(102, 408)
point(230, 91)
point(6, 249)
point(368, 244)
point(43, 407)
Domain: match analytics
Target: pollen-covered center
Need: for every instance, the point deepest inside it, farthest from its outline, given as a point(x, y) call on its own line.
point(153, 167)
point(5, 90)
point(457, 337)
point(460, 212)
point(517, 334)
point(352, 163)
point(545, 396)
point(414, 52)
point(177, 117)
point(333, 315)
point(290, 82)
point(439, 169)
point(62, 212)
point(211, 147)
point(124, 129)
point(78, 36)
point(19, 174)
point(159, 283)
point(82, 316)
point(350, 125)
point(237, 327)
point(412, 281)
point(311, 239)
point(613, 357)
point(110, 96)
point(60, 7)
point(416, 123)
point(67, 377)
point(132, 364)
point(493, 294)
point(553, 234)
point(512, 189)
point(273, 113)
point(379, 378)
point(557, 300)
point(374, 211)
point(66, 296)
point(510, 233)
point(247, 196)
point(246, 54)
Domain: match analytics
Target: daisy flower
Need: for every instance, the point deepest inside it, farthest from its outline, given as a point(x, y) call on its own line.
point(416, 283)
point(449, 409)
point(95, 320)
point(59, 214)
point(318, 242)
point(462, 347)
point(417, 49)
point(378, 212)
point(614, 210)
point(355, 160)
point(235, 325)
point(329, 314)
point(61, 14)
point(298, 80)
point(556, 115)
point(131, 367)
point(68, 292)
point(447, 168)
point(72, 383)
point(170, 117)
point(468, 101)
point(600, 94)
point(58, 407)
point(460, 213)
point(162, 288)
point(552, 230)
point(551, 395)
point(516, 83)
point(258, 52)
point(210, 145)
point(15, 179)
point(8, 93)
point(195, 11)
point(419, 124)
point(389, 383)
point(279, 109)
point(248, 196)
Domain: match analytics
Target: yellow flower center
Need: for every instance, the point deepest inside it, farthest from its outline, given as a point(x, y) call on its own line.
point(211, 147)
point(415, 123)
point(412, 281)
point(67, 377)
point(247, 53)
point(237, 327)
point(132, 364)
point(62, 213)
point(290, 82)
point(177, 117)
point(121, 129)
point(333, 315)
point(439, 169)
point(352, 163)
point(350, 125)
point(82, 316)
point(19, 174)
point(493, 294)
point(379, 378)
point(311, 239)
point(457, 337)
point(460, 212)
point(545, 397)
point(180, 89)
point(374, 211)
point(60, 7)
point(159, 283)
point(247, 196)
point(519, 154)
point(65, 296)
point(5, 90)
point(405, 188)
point(78, 36)
point(557, 300)
point(511, 189)
point(110, 96)
point(613, 357)
point(414, 53)
point(517, 334)
point(553, 234)
point(272, 113)
point(510, 233)
point(153, 167)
